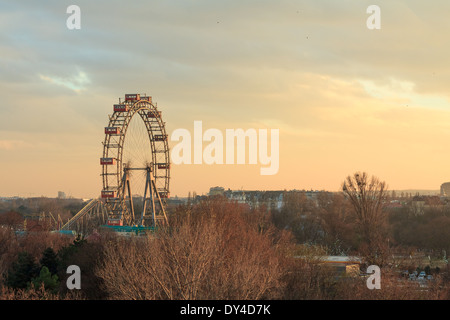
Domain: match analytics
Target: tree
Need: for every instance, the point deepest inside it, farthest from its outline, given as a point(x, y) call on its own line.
point(49, 260)
point(367, 196)
point(45, 278)
point(11, 219)
point(87, 255)
point(216, 250)
point(336, 222)
point(295, 205)
point(22, 271)
point(393, 194)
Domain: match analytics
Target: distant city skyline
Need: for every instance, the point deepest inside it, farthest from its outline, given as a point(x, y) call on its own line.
point(344, 98)
point(191, 193)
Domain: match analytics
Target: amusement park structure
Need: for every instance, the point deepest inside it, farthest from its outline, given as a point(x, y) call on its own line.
point(135, 169)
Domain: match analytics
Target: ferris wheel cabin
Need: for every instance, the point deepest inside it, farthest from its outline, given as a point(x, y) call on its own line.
point(164, 195)
point(121, 108)
point(108, 194)
point(107, 161)
point(112, 130)
point(132, 97)
point(115, 222)
point(164, 165)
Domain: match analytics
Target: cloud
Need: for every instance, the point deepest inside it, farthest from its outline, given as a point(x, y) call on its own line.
point(75, 83)
point(404, 93)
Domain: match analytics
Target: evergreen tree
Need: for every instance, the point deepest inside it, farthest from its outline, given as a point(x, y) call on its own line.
point(49, 260)
point(22, 271)
point(66, 253)
point(50, 281)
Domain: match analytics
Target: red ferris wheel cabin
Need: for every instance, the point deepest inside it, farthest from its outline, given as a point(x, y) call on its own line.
point(108, 194)
point(112, 130)
point(121, 108)
point(163, 165)
point(164, 195)
point(107, 161)
point(132, 97)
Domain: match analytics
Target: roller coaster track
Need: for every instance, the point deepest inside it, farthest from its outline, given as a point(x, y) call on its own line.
point(95, 206)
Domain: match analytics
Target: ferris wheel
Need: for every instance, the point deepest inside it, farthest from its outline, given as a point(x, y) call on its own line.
point(135, 163)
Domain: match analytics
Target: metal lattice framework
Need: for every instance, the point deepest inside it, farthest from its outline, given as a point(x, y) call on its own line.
point(136, 148)
point(93, 214)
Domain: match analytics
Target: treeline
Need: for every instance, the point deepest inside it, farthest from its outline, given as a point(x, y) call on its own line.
point(216, 249)
point(428, 231)
point(59, 208)
point(329, 221)
point(33, 265)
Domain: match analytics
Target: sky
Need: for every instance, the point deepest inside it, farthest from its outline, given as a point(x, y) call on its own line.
point(344, 97)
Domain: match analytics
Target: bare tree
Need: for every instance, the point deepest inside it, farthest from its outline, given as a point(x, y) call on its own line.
point(367, 196)
point(12, 220)
point(217, 250)
point(337, 222)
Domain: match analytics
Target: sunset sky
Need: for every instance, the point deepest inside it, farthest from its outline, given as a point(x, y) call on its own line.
point(344, 98)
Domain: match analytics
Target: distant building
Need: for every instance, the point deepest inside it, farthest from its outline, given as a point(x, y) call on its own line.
point(418, 205)
point(340, 265)
point(445, 189)
point(343, 264)
point(216, 191)
point(61, 195)
point(271, 199)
